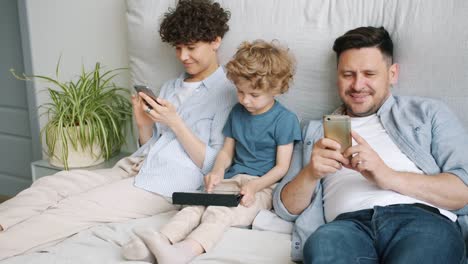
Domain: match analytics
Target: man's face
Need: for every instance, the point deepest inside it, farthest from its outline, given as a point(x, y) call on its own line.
point(364, 80)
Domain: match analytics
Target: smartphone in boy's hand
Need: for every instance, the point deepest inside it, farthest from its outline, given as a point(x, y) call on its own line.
point(146, 90)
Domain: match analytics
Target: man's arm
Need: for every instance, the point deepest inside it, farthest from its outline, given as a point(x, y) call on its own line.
point(443, 190)
point(324, 160)
point(298, 193)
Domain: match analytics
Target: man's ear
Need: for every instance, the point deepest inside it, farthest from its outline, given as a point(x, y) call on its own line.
point(394, 72)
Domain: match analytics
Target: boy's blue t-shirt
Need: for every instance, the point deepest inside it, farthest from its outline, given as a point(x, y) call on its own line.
point(257, 137)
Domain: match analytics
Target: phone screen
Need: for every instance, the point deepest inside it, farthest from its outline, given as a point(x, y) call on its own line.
point(338, 128)
point(144, 89)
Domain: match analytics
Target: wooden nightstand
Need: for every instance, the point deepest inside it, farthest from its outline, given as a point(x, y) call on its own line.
point(41, 168)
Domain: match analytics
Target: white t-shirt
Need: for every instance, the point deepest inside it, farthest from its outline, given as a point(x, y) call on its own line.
point(183, 92)
point(347, 190)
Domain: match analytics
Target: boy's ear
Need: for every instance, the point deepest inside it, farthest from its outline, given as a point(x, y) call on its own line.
point(276, 93)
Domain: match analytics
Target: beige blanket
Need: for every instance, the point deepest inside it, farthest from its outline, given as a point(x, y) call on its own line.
point(102, 244)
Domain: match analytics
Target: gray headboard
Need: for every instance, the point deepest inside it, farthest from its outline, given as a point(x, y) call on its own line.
point(430, 36)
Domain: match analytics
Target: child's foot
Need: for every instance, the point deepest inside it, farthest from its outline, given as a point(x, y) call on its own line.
point(166, 253)
point(137, 250)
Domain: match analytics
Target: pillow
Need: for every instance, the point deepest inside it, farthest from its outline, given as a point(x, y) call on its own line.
point(431, 44)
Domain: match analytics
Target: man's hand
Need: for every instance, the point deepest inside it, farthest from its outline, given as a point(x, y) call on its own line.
point(367, 162)
point(248, 190)
point(325, 159)
point(212, 179)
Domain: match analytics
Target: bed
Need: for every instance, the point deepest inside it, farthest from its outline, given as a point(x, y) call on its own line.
point(431, 45)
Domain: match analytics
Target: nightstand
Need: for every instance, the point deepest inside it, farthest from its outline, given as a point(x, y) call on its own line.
point(41, 168)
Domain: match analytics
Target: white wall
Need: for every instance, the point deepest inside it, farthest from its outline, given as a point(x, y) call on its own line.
point(82, 32)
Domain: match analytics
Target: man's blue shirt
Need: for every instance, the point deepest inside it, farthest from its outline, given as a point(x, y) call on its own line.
point(424, 129)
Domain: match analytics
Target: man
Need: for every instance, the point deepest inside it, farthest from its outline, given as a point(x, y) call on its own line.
point(399, 194)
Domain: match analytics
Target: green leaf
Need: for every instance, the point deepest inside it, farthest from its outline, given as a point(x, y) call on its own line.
point(92, 101)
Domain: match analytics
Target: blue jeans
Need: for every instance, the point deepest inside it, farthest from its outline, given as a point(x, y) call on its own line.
point(391, 234)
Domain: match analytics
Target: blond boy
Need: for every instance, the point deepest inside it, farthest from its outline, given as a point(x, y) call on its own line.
point(259, 137)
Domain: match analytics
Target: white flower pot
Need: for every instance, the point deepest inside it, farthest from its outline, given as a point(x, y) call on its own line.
point(77, 158)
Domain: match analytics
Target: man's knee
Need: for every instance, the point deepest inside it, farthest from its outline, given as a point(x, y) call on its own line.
point(325, 238)
point(340, 242)
point(435, 240)
point(310, 247)
point(444, 232)
point(450, 241)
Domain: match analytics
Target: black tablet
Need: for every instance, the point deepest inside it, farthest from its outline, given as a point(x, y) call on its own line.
point(230, 199)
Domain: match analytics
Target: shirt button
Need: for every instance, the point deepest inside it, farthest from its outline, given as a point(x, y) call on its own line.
point(417, 129)
point(309, 142)
point(297, 243)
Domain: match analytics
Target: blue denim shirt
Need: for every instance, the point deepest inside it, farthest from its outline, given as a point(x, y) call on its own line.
point(424, 129)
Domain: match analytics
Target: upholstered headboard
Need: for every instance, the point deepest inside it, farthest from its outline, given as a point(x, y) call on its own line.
point(430, 37)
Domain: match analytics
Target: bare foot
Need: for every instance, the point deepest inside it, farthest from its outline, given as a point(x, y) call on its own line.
point(166, 253)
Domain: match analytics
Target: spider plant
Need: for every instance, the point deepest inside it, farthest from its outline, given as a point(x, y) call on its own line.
point(83, 112)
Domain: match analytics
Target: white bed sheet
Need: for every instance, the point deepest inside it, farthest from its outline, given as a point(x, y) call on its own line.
point(102, 244)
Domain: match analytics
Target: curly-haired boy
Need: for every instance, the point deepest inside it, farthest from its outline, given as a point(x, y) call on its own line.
point(259, 137)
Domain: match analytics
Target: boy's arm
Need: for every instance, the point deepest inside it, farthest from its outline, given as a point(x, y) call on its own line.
point(223, 161)
point(283, 160)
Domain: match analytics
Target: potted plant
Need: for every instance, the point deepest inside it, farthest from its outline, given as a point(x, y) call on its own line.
point(87, 118)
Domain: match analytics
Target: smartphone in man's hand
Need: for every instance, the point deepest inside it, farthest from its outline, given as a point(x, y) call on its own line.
point(338, 128)
point(146, 90)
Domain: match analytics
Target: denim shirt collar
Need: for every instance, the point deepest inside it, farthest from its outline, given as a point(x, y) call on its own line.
point(386, 106)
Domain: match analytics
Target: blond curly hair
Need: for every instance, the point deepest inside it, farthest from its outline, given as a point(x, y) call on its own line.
point(267, 66)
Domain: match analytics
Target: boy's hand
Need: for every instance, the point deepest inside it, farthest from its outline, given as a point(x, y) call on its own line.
point(212, 179)
point(248, 191)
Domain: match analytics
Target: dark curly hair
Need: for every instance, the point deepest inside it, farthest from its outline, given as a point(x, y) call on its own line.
point(194, 20)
